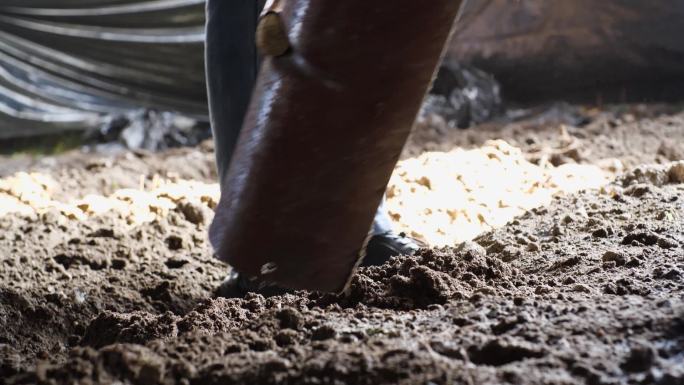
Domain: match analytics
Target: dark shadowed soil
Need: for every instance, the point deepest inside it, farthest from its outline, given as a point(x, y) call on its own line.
point(589, 290)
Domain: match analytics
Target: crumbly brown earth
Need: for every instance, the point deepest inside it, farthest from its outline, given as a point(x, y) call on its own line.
point(588, 290)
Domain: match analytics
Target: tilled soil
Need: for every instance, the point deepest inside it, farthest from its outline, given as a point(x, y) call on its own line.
point(588, 290)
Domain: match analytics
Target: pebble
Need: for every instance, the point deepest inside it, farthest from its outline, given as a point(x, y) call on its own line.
point(614, 256)
point(533, 247)
point(580, 288)
point(323, 333)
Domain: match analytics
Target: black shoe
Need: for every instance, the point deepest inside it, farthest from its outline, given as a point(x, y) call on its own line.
point(380, 249)
point(237, 285)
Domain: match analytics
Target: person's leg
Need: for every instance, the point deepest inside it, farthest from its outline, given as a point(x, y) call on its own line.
point(231, 66)
point(382, 223)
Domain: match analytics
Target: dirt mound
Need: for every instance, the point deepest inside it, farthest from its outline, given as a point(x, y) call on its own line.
point(587, 290)
point(431, 277)
point(59, 274)
point(594, 301)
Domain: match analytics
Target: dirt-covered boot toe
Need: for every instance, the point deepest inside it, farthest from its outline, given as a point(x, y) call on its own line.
point(237, 285)
point(382, 247)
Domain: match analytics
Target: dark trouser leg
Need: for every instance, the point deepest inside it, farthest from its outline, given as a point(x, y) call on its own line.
point(231, 66)
point(382, 223)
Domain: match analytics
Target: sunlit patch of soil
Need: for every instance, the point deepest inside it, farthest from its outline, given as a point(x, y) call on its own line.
point(444, 198)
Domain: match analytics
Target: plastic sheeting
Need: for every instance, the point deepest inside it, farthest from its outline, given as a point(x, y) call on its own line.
point(73, 64)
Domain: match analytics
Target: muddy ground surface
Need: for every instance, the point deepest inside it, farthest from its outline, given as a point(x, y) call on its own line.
point(586, 290)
